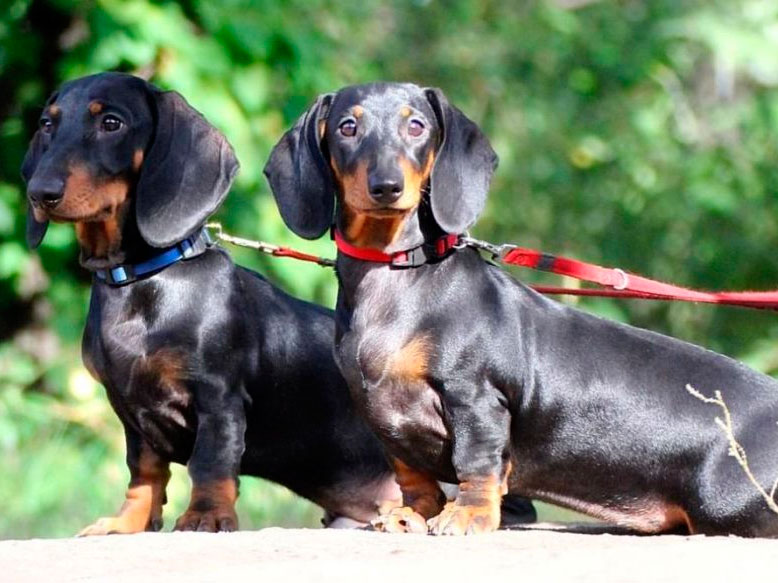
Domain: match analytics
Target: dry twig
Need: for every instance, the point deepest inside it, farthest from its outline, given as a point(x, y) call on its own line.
point(735, 449)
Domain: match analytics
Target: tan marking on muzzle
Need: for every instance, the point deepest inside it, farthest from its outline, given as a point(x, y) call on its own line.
point(362, 221)
point(353, 186)
point(414, 180)
point(98, 210)
point(87, 199)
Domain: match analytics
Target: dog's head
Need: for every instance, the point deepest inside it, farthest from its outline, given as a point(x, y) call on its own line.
point(380, 149)
point(110, 142)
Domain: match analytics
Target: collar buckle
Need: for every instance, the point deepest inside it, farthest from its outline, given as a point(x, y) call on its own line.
point(187, 248)
point(422, 254)
point(117, 276)
point(120, 274)
point(409, 258)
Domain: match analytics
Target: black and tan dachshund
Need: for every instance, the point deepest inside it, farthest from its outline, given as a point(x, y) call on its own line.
point(470, 377)
point(205, 363)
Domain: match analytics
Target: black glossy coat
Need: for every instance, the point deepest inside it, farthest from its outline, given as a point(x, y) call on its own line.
point(591, 414)
point(205, 363)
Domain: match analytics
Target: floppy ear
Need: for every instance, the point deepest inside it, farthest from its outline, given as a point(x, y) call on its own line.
point(463, 167)
point(300, 176)
point(35, 230)
point(186, 173)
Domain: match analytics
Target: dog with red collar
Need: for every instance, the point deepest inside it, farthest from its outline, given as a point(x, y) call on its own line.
point(468, 376)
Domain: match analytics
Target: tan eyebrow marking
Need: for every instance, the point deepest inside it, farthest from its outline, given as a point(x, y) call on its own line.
point(95, 107)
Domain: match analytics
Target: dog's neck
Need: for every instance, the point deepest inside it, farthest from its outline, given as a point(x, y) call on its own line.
point(113, 241)
point(418, 228)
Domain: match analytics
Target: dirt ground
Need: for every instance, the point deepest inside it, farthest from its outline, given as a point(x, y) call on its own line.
point(275, 554)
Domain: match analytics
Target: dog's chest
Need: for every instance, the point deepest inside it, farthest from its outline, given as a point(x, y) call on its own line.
point(158, 385)
point(148, 387)
point(389, 382)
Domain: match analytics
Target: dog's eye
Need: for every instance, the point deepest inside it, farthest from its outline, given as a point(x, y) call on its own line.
point(348, 128)
point(46, 125)
point(415, 128)
point(111, 123)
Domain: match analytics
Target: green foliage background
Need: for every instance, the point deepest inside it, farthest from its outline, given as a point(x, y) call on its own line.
point(632, 133)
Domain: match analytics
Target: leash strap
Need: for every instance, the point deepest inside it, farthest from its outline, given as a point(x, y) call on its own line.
point(620, 283)
point(269, 248)
point(128, 273)
point(623, 284)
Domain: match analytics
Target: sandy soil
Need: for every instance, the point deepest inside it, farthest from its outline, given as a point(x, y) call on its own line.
point(276, 554)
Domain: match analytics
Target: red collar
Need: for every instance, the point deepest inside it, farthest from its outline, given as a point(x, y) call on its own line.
point(408, 258)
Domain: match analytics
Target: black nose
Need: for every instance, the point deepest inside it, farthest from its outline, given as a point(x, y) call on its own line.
point(385, 189)
point(46, 192)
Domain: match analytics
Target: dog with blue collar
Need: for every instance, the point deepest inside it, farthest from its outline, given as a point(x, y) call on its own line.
point(205, 363)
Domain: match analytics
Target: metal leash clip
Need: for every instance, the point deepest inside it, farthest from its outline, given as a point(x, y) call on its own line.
point(498, 252)
point(260, 246)
point(269, 248)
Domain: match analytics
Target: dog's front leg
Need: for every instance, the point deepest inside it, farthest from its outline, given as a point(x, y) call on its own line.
point(479, 423)
point(145, 496)
point(215, 464)
point(422, 498)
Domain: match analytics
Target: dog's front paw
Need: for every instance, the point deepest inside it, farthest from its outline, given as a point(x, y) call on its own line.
point(216, 520)
point(400, 519)
point(459, 519)
point(122, 524)
point(211, 508)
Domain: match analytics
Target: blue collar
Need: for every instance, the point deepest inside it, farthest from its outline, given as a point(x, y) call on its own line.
point(128, 273)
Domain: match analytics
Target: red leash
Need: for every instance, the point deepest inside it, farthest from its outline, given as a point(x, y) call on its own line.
point(621, 283)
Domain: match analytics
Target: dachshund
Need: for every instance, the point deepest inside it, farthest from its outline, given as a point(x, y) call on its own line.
point(468, 376)
point(204, 362)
